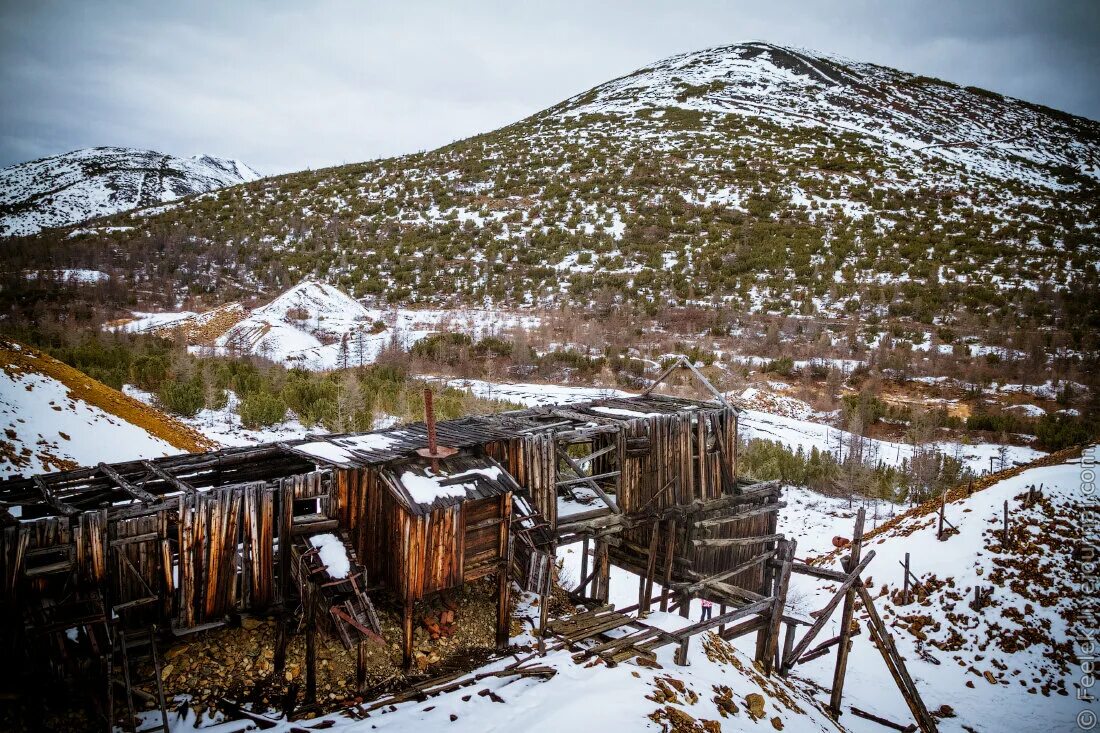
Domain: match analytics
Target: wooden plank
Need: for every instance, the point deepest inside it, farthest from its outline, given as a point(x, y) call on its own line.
point(50, 497)
point(786, 551)
point(846, 619)
point(135, 491)
point(737, 541)
point(885, 643)
point(826, 613)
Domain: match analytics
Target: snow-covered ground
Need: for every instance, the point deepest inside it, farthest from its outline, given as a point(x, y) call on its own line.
point(1022, 606)
point(224, 425)
point(43, 427)
point(808, 435)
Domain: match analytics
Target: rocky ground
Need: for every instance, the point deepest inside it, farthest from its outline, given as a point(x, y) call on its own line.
point(237, 663)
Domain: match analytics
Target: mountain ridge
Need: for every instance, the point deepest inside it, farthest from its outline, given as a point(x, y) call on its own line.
point(667, 188)
point(71, 188)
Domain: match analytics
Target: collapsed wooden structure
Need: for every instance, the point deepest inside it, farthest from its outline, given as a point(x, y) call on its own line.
point(648, 483)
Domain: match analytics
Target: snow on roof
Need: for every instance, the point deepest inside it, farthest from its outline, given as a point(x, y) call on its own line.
point(370, 441)
point(333, 554)
point(327, 451)
point(620, 412)
point(427, 488)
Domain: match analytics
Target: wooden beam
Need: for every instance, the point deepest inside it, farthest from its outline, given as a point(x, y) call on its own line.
point(582, 479)
point(766, 509)
point(135, 491)
point(716, 621)
point(882, 721)
point(737, 541)
point(726, 574)
point(593, 456)
point(168, 478)
point(50, 497)
point(786, 552)
point(846, 620)
point(815, 572)
point(611, 504)
point(825, 613)
point(885, 643)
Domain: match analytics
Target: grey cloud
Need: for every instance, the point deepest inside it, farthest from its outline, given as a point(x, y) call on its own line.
point(288, 85)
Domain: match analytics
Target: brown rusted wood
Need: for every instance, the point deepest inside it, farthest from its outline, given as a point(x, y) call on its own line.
point(826, 613)
point(885, 643)
point(786, 553)
point(846, 617)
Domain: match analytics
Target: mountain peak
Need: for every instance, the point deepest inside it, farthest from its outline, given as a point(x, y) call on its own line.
point(88, 183)
point(981, 130)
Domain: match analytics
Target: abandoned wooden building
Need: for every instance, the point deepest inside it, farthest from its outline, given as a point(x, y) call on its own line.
point(321, 525)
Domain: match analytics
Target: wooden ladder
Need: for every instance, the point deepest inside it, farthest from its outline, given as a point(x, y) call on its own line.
point(123, 644)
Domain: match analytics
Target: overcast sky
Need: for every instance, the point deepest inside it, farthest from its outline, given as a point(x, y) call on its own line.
point(289, 85)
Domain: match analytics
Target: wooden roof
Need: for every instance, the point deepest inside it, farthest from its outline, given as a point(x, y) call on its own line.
point(422, 487)
point(141, 482)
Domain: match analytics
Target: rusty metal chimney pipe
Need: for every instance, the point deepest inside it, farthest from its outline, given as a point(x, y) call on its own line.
point(429, 418)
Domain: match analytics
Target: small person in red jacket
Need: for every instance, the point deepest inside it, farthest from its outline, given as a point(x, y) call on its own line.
point(707, 605)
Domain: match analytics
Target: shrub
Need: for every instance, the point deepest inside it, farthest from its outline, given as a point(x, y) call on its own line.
point(1055, 432)
point(182, 398)
point(261, 410)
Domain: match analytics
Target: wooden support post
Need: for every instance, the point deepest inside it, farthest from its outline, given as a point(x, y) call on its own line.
point(943, 506)
point(280, 644)
point(885, 643)
point(603, 576)
point(504, 616)
point(361, 666)
point(684, 600)
point(846, 618)
point(722, 612)
point(584, 568)
point(905, 583)
point(311, 645)
point(786, 552)
point(682, 651)
point(670, 555)
point(407, 635)
point(651, 568)
point(544, 615)
point(788, 641)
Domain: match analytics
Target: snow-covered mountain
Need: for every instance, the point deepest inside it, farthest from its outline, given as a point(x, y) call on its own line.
point(86, 184)
point(768, 179)
point(54, 417)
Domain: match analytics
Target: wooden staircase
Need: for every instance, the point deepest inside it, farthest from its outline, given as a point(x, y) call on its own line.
point(128, 648)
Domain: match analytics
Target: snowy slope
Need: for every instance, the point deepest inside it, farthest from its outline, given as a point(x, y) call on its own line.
point(53, 417)
point(979, 130)
point(752, 175)
point(1008, 668)
point(311, 326)
point(85, 184)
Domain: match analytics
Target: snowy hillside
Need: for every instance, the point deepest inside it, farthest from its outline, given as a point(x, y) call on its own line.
point(980, 131)
point(86, 184)
point(317, 326)
point(54, 417)
point(764, 178)
point(1010, 665)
